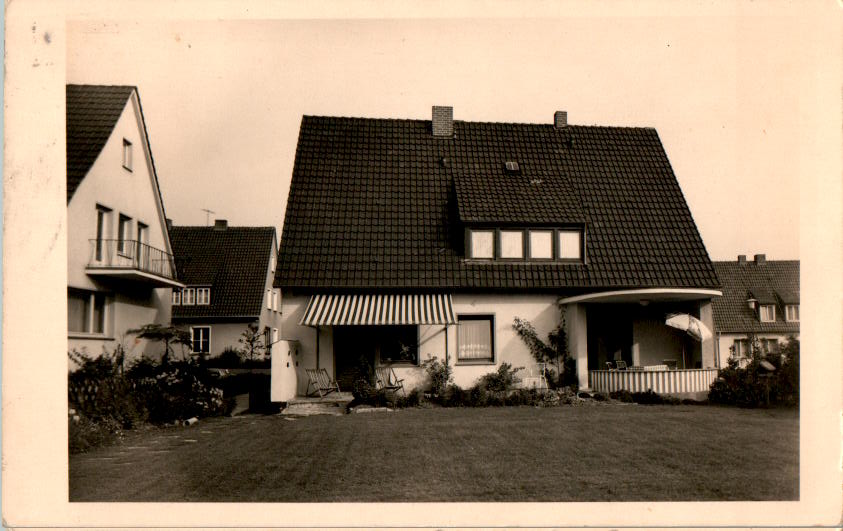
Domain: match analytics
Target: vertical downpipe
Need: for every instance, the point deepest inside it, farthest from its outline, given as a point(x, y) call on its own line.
point(317, 347)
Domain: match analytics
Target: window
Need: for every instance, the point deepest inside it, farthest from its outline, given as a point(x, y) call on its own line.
point(512, 244)
point(767, 313)
point(770, 345)
point(482, 243)
point(570, 247)
point(791, 313)
point(123, 234)
point(203, 296)
point(103, 214)
point(275, 300)
point(127, 154)
point(475, 338)
point(541, 244)
point(267, 337)
point(398, 344)
point(200, 339)
point(142, 253)
point(85, 311)
point(269, 299)
point(176, 297)
point(187, 297)
point(274, 335)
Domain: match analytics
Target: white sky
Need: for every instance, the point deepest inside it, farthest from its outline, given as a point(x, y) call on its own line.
point(223, 100)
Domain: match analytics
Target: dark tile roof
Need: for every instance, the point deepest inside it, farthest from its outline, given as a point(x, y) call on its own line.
point(774, 282)
point(372, 204)
point(234, 262)
point(92, 113)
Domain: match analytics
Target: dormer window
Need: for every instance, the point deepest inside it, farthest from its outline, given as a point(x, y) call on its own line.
point(512, 244)
point(512, 167)
point(176, 297)
point(127, 154)
point(188, 297)
point(791, 313)
point(570, 245)
point(482, 244)
point(767, 313)
point(203, 296)
point(541, 244)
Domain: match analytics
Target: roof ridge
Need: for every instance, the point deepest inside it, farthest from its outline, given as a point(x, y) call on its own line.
point(478, 122)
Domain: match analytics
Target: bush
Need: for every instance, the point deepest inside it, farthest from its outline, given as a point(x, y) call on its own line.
point(501, 380)
point(413, 399)
point(623, 396)
point(99, 391)
point(84, 434)
point(439, 375)
point(365, 393)
point(755, 386)
point(228, 359)
point(648, 397)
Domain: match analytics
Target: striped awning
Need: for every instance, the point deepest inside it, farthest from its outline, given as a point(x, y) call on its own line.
point(332, 310)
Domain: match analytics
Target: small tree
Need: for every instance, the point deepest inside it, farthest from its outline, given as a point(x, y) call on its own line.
point(252, 343)
point(554, 351)
point(169, 335)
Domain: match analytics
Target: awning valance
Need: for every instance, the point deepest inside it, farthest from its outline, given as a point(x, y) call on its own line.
point(400, 309)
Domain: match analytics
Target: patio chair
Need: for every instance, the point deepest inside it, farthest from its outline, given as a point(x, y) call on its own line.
point(386, 379)
point(620, 364)
point(321, 382)
point(609, 365)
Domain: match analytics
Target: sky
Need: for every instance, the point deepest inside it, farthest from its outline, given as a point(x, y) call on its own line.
point(223, 100)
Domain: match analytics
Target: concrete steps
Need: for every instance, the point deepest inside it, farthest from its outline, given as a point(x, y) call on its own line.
point(306, 406)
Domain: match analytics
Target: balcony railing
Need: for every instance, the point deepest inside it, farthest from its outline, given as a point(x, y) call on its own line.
point(131, 256)
point(662, 381)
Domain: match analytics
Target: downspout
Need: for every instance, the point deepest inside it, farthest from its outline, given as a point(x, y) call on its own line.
point(717, 352)
point(317, 347)
point(446, 344)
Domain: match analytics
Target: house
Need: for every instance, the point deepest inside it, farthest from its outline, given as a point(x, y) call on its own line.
point(120, 268)
point(227, 274)
point(760, 298)
point(405, 239)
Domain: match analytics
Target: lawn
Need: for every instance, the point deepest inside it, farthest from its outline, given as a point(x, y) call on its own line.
point(589, 453)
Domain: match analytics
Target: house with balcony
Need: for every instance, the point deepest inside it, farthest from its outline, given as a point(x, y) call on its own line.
point(227, 274)
point(761, 300)
point(405, 239)
point(120, 267)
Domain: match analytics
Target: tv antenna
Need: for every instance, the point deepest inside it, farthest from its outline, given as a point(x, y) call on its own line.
point(207, 215)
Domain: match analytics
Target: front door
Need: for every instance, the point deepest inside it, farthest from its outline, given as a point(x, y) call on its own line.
point(355, 349)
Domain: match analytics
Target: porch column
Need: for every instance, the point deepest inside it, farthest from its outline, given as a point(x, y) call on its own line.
point(707, 346)
point(578, 340)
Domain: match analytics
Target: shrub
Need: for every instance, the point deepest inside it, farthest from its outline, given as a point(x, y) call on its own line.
point(439, 374)
point(623, 396)
point(84, 434)
point(413, 399)
point(501, 380)
point(366, 393)
point(648, 397)
point(99, 391)
point(228, 359)
point(755, 386)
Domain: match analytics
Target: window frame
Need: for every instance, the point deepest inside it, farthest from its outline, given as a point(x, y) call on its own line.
point(102, 224)
point(761, 313)
point(499, 244)
point(471, 233)
point(193, 340)
point(490, 317)
point(529, 244)
point(93, 300)
point(124, 227)
point(184, 297)
point(416, 345)
point(206, 290)
point(559, 247)
point(787, 313)
point(176, 299)
point(127, 155)
point(527, 232)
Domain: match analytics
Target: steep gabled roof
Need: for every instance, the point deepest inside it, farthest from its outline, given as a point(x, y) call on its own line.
point(92, 113)
point(381, 203)
point(233, 262)
point(773, 282)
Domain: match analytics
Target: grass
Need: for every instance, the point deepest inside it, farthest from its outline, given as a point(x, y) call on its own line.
point(597, 453)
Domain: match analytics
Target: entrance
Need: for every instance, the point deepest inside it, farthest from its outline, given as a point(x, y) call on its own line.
point(359, 349)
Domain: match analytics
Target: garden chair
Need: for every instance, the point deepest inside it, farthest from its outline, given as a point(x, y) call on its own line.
point(386, 379)
point(321, 382)
point(620, 364)
point(609, 366)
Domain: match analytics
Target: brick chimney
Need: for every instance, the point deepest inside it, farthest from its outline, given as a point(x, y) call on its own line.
point(443, 121)
point(220, 224)
point(760, 259)
point(169, 224)
point(741, 259)
point(560, 119)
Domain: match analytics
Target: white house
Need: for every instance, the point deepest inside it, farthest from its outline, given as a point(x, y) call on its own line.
point(120, 268)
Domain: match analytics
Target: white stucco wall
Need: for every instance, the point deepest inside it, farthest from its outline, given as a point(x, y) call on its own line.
point(725, 342)
point(540, 310)
point(134, 194)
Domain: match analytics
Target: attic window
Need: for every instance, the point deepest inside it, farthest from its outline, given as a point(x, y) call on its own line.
point(767, 313)
point(127, 154)
point(512, 167)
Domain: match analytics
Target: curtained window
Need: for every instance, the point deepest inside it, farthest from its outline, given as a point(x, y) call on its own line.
point(475, 338)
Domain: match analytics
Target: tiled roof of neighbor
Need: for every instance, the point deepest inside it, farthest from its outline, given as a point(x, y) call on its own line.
point(381, 203)
point(233, 262)
point(92, 113)
point(773, 282)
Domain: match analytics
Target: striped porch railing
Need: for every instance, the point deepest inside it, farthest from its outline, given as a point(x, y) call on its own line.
point(662, 382)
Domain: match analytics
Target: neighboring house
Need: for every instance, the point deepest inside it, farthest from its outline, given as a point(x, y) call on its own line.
point(120, 268)
point(228, 274)
point(410, 238)
point(760, 298)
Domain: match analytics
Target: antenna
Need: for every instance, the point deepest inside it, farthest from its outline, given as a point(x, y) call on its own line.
point(207, 215)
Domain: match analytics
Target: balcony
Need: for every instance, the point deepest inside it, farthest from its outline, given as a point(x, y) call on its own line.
point(132, 260)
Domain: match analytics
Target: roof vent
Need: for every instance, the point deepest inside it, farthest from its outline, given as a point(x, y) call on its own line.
point(512, 167)
point(760, 259)
point(443, 121)
point(560, 119)
point(220, 224)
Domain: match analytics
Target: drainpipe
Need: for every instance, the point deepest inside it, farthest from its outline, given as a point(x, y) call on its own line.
point(446, 344)
point(717, 352)
point(317, 347)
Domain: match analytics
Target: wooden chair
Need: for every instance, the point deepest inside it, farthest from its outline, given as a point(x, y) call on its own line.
point(386, 379)
point(620, 364)
point(321, 382)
